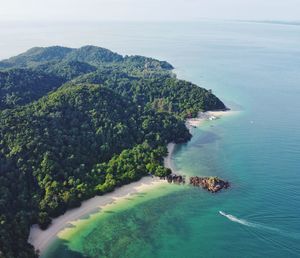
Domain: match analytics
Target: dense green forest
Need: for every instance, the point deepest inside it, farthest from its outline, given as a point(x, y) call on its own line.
point(75, 123)
point(21, 86)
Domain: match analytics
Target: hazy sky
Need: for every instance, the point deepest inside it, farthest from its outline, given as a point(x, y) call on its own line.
point(62, 10)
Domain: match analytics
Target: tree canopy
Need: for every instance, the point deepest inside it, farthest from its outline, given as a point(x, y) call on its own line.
point(75, 123)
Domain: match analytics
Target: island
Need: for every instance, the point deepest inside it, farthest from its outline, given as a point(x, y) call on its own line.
point(79, 122)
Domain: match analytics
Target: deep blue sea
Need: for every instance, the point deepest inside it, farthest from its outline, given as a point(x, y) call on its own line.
point(255, 69)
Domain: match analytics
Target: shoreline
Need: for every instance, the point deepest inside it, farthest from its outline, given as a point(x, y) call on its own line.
point(207, 116)
point(168, 159)
point(42, 239)
point(194, 123)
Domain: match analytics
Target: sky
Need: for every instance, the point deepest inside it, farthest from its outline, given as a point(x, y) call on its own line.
point(148, 10)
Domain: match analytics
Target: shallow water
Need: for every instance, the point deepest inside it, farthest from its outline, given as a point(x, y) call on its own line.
point(254, 68)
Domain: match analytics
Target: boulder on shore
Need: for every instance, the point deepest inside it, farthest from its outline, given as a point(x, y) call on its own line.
point(177, 179)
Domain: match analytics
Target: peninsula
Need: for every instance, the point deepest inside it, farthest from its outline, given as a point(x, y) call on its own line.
point(77, 123)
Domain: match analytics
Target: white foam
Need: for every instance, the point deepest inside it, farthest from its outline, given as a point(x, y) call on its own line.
point(237, 220)
point(259, 226)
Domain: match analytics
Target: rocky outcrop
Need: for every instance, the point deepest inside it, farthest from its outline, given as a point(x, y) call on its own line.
point(211, 184)
point(176, 179)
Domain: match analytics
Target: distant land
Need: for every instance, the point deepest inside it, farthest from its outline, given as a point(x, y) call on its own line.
point(76, 123)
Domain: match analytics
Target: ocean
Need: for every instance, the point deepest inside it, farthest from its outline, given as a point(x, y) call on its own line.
point(254, 69)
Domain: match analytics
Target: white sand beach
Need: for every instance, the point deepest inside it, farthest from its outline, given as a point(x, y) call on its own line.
point(40, 239)
point(206, 116)
point(168, 159)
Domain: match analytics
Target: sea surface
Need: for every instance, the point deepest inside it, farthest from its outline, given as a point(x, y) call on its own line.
point(255, 69)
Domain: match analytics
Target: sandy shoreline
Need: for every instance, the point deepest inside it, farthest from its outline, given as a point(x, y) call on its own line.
point(207, 116)
point(191, 123)
point(168, 159)
point(41, 239)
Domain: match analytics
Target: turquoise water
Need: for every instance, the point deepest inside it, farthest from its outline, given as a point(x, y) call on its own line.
point(254, 68)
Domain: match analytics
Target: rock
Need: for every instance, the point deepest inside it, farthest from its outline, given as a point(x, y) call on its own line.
point(212, 184)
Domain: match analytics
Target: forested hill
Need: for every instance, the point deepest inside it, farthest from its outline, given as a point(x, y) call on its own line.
point(144, 80)
point(22, 86)
point(88, 54)
point(75, 123)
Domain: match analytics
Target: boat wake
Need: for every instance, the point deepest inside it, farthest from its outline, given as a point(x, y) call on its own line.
point(260, 227)
point(247, 223)
point(237, 220)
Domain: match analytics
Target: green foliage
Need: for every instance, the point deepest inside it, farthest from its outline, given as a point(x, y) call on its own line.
point(156, 89)
point(20, 86)
point(93, 55)
point(36, 56)
point(107, 126)
point(66, 70)
point(162, 171)
point(130, 165)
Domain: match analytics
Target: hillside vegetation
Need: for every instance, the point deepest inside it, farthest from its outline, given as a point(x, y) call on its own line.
point(75, 123)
